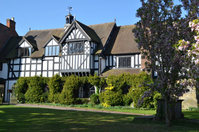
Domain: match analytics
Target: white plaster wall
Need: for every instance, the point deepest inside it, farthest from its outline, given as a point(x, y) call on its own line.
point(45, 64)
point(52, 42)
point(24, 44)
point(56, 59)
point(77, 33)
point(75, 62)
point(132, 61)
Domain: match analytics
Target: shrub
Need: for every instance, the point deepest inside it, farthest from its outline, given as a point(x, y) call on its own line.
point(112, 98)
point(94, 99)
point(97, 81)
point(70, 90)
point(119, 83)
point(36, 88)
point(55, 86)
point(44, 97)
point(156, 97)
point(81, 100)
point(139, 86)
point(127, 99)
point(20, 89)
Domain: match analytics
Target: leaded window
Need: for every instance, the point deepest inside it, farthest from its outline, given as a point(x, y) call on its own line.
point(75, 48)
point(124, 62)
point(52, 50)
point(24, 51)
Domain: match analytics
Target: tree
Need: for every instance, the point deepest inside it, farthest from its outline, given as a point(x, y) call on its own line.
point(190, 49)
point(160, 28)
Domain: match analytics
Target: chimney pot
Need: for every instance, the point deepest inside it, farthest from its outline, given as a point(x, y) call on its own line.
point(13, 19)
point(11, 24)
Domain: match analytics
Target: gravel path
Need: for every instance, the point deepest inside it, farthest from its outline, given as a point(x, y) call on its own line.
point(78, 109)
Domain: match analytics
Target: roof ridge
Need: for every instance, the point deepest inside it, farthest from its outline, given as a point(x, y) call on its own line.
point(101, 23)
point(123, 26)
point(47, 29)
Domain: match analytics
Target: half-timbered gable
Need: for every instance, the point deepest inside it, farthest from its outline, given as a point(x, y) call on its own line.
point(78, 49)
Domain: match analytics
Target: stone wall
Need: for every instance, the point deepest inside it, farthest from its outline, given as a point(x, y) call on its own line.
point(190, 99)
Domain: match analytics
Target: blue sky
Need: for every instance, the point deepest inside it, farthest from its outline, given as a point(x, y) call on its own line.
point(48, 14)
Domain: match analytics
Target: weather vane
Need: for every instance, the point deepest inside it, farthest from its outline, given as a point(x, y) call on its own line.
point(69, 9)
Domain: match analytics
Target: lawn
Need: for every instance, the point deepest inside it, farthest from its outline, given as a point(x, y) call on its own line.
point(15, 118)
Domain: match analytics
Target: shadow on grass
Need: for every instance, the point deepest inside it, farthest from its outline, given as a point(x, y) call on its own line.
point(14, 118)
point(191, 114)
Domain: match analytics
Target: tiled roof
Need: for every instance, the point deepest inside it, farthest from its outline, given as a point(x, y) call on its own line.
point(5, 35)
point(120, 71)
point(122, 41)
point(110, 38)
point(40, 37)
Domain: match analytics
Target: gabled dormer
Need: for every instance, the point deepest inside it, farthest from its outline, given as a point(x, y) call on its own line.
point(52, 47)
point(25, 48)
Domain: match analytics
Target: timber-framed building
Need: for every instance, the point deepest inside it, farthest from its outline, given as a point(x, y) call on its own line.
point(103, 49)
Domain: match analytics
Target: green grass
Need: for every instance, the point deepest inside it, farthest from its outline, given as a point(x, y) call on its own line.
point(112, 108)
point(15, 118)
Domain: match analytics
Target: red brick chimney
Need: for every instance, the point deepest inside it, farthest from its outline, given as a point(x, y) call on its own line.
point(11, 24)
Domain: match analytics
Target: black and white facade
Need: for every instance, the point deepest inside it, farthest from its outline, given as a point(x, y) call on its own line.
point(76, 49)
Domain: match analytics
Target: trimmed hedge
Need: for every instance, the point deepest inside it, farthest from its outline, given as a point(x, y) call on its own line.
point(20, 89)
point(111, 98)
point(36, 92)
point(124, 89)
point(70, 90)
point(55, 86)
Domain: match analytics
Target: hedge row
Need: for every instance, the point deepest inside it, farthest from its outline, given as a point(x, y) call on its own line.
point(120, 90)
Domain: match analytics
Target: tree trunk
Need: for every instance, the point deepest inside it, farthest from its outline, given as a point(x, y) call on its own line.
point(167, 112)
point(197, 91)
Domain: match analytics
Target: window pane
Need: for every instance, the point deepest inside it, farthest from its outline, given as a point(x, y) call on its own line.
point(53, 52)
point(46, 51)
point(50, 51)
point(70, 48)
point(26, 52)
point(29, 52)
point(124, 62)
point(76, 48)
point(57, 50)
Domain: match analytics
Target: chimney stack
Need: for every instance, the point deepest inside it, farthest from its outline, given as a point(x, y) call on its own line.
point(11, 24)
